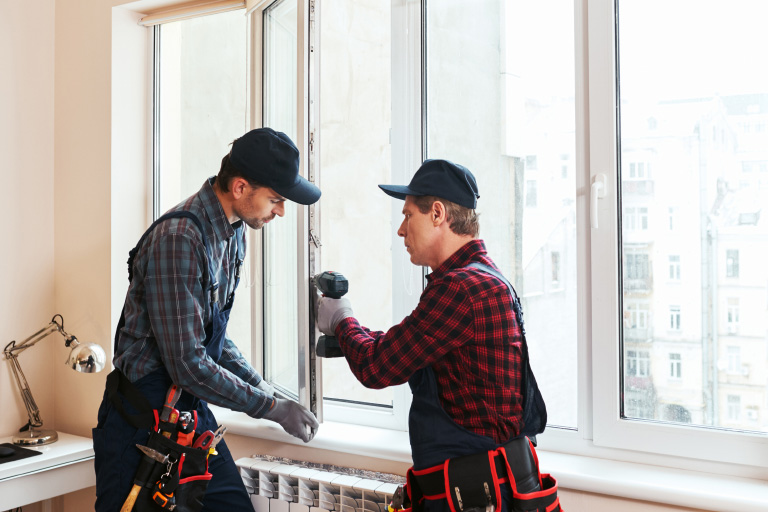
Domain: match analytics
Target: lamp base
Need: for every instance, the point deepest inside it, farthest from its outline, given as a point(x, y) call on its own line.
point(34, 437)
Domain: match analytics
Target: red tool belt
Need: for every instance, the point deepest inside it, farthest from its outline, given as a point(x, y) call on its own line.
point(472, 482)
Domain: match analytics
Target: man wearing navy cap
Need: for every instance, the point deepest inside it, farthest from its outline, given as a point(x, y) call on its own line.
point(183, 274)
point(460, 350)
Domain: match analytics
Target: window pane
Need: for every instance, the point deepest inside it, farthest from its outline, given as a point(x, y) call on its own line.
point(690, 110)
point(357, 229)
point(500, 100)
point(201, 109)
point(280, 238)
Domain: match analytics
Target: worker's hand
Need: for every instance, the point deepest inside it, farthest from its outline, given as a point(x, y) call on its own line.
point(266, 388)
point(295, 419)
point(330, 312)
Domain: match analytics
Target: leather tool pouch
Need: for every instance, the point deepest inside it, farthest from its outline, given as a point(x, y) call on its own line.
point(532, 491)
point(185, 478)
point(471, 483)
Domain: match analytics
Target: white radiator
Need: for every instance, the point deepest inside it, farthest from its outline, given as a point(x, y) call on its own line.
point(283, 485)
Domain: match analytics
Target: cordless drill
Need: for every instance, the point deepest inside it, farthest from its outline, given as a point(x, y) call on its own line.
point(334, 285)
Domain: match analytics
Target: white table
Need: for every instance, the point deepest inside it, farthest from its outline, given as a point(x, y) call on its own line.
point(64, 466)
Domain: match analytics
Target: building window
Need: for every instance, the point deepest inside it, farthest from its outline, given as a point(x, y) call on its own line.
point(639, 170)
point(675, 366)
point(637, 266)
point(674, 318)
point(732, 263)
point(636, 218)
point(638, 316)
point(638, 363)
point(531, 199)
point(734, 359)
point(734, 407)
point(555, 257)
point(674, 268)
point(733, 315)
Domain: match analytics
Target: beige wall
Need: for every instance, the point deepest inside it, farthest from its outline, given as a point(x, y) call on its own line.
point(27, 208)
point(72, 160)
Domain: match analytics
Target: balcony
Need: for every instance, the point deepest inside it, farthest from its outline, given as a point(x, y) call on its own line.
point(643, 285)
point(637, 187)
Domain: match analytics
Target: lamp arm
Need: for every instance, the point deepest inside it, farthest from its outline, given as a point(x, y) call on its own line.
point(11, 352)
point(26, 394)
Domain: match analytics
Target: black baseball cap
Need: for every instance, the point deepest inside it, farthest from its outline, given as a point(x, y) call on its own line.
point(442, 179)
point(272, 159)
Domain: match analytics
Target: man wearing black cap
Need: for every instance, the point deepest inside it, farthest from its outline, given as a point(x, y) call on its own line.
point(183, 274)
point(460, 350)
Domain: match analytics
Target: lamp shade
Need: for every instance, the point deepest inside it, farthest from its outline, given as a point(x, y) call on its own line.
point(87, 358)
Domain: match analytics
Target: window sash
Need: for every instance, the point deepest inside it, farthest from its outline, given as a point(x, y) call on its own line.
point(608, 428)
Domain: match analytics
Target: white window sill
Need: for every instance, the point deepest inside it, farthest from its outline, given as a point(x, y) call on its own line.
point(628, 480)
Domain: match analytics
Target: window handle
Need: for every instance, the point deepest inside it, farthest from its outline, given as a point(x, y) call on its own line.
point(598, 192)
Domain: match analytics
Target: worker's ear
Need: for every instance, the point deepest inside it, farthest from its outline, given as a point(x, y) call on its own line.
point(238, 187)
point(438, 213)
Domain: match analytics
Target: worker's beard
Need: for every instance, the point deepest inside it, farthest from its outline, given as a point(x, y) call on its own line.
point(258, 223)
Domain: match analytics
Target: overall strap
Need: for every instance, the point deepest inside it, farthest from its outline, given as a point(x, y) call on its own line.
point(515, 299)
point(170, 215)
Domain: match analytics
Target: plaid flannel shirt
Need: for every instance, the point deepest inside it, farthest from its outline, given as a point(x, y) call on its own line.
point(167, 308)
point(464, 327)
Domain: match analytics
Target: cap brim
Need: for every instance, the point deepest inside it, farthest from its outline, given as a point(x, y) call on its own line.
point(399, 191)
point(302, 192)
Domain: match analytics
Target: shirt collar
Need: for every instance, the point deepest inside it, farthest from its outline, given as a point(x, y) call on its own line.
point(222, 229)
point(474, 250)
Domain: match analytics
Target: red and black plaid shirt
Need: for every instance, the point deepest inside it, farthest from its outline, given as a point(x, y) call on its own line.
point(465, 328)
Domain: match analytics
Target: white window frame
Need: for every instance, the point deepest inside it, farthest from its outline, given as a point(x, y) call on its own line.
point(745, 450)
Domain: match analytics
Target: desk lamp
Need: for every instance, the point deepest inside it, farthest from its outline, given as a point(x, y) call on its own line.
point(84, 358)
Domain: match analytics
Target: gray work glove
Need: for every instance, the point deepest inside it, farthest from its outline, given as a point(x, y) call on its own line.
point(294, 418)
point(264, 387)
point(330, 312)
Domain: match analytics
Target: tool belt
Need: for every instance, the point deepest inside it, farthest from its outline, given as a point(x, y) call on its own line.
point(181, 482)
point(472, 483)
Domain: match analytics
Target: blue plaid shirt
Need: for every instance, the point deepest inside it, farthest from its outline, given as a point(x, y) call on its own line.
point(167, 308)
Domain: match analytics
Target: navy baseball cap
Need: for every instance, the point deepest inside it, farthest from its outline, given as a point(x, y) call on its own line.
point(272, 159)
point(442, 179)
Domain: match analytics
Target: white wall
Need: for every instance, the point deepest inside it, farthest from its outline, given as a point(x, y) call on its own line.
point(65, 247)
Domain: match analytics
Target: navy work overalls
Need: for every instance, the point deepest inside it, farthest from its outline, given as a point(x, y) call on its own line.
point(436, 437)
point(114, 438)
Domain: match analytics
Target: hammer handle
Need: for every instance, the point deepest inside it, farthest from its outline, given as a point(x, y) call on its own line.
point(131, 499)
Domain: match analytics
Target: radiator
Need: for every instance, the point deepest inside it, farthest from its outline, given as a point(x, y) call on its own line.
point(284, 485)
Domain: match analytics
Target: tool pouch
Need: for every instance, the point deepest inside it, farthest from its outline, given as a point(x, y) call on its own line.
point(532, 491)
point(471, 483)
point(191, 465)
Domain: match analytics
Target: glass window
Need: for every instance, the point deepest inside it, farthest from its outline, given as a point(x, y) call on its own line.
point(732, 263)
point(674, 268)
point(280, 239)
point(734, 408)
point(733, 315)
point(674, 318)
point(703, 139)
point(734, 359)
point(358, 226)
point(193, 127)
point(500, 99)
point(675, 366)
